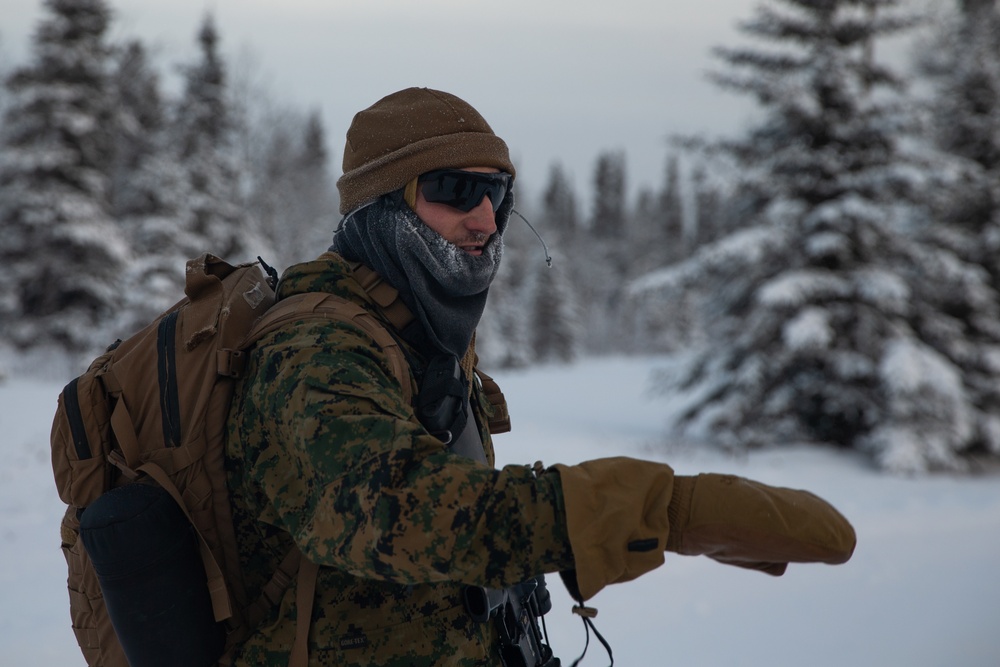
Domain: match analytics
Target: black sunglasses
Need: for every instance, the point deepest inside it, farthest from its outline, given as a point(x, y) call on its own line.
point(464, 190)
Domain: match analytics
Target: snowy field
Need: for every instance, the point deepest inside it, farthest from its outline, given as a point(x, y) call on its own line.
point(922, 589)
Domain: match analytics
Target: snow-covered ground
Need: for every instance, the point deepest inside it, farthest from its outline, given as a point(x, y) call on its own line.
point(922, 589)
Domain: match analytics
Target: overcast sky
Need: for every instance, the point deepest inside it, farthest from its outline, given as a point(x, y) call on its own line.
point(559, 80)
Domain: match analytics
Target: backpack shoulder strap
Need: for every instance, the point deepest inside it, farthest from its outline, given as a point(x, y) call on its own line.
point(387, 298)
point(318, 305)
point(383, 294)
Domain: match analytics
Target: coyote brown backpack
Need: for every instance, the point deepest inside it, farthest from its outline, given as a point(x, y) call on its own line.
point(153, 410)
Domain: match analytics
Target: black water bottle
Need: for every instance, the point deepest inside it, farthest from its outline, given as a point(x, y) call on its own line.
point(146, 556)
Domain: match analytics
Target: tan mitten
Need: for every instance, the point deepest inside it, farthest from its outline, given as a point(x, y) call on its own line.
point(741, 522)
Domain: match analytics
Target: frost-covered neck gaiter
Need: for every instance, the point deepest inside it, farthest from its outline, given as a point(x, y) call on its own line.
point(445, 287)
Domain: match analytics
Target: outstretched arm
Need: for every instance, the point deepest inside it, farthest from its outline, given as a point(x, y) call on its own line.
point(623, 513)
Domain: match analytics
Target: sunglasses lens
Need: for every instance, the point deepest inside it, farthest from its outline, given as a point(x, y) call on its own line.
point(464, 190)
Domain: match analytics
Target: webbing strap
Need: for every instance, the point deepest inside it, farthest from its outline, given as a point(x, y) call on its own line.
point(124, 429)
point(311, 305)
point(383, 294)
point(221, 604)
point(500, 421)
point(305, 594)
point(272, 592)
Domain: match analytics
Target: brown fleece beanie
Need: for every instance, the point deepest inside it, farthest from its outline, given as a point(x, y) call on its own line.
point(410, 133)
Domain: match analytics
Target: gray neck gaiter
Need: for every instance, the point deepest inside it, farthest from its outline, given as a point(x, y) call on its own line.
point(445, 287)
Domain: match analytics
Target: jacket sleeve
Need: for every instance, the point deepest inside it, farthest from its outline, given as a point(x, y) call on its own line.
point(340, 462)
point(623, 513)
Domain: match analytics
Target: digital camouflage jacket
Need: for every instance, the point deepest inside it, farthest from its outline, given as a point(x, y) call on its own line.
point(324, 452)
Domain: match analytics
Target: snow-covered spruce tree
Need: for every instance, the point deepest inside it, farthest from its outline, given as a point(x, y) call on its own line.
point(534, 302)
point(713, 214)
point(4, 72)
point(502, 339)
point(147, 192)
point(608, 214)
point(828, 313)
point(560, 212)
point(203, 136)
point(602, 255)
point(670, 207)
point(962, 61)
point(656, 228)
point(656, 239)
point(319, 202)
point(514, 333)
point(292, 194)
point(139, 119)
point(554, 315)
point(61, 254)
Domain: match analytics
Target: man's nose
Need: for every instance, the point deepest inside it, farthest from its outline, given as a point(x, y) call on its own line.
point(482, 218)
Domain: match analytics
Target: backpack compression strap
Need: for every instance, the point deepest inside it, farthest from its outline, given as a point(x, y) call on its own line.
point(218, 593)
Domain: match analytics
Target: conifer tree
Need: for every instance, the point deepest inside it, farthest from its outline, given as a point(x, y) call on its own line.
point(61, 254)
point(319, 202)
point(603, 259)
point(555, 324)
point(203, 136)
point(657, 226)
point(658, 239)
point(146, 179)
point(962, 62)
point(671, 207)
point(707, 209)
point(827, 310)
point(559, 207)
point(608, 213)
point(503, 338)
point(4, 73)
point(147, 192)
point(293, 194)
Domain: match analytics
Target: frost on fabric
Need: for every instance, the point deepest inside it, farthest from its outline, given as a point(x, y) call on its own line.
point(451, 256)
point(457, 271)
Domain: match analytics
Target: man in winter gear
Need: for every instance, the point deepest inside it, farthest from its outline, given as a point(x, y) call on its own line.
point(401, 507)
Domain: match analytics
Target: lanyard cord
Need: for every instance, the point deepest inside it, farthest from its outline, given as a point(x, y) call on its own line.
point(586, 613)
